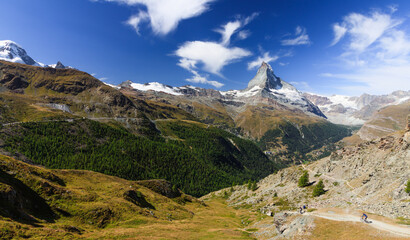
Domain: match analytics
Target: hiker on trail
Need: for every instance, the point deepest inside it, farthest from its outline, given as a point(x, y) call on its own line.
point(364, 217)
point(301, 210)
point(304, 207)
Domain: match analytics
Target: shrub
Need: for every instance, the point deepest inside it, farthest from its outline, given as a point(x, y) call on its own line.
point(319, 189)
point(304, 179)
point(408, 187)
point(254, 186)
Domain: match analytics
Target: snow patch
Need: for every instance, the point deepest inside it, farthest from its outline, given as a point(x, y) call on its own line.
point(241, 93)
point(292, 94)
point(112, 85)
point(156, 86)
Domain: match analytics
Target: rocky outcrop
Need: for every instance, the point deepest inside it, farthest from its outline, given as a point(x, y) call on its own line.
point(162, 187)
point(13, 82)
point(371, 176)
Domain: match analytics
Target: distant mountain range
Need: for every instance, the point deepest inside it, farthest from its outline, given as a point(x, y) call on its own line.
point(355, 110)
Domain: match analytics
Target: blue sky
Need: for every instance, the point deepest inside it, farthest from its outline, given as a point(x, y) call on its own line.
point(328, 47)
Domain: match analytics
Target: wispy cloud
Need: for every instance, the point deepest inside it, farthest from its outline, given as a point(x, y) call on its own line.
point(230, 28)
point(197, 78)
point(244, 34)
point(375, 52)
point(266, 57)
point(190, 65)
point(163, 15)
point(213, 56)
point(362, 31)
point(301, 38)
point(135, 20)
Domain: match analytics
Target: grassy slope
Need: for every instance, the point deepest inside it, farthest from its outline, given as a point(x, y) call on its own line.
point(386, 120)
point(91, 205)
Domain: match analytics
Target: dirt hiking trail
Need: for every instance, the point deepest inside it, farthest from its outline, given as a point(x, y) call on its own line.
point(400, 230)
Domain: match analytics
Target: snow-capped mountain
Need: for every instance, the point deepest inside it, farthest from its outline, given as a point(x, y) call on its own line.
point(12, 52)
point(265, 87)
point(355, 110)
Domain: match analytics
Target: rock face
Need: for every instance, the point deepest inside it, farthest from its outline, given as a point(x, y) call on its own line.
point(265, 78)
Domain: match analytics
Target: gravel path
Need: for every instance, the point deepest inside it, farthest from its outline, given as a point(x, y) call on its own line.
point(392, 228)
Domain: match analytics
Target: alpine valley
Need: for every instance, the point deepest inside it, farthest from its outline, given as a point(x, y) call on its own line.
point(80, 158)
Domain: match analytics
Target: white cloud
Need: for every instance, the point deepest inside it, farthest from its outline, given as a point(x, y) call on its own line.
point(363, 30)
point(283, 63)
point(190, 65)
point(187, 64)
point(250, 18)
point(214, 56)
point(164, 15)
point(103, 79)
point(266, 57)
point(135, 20)
point(228, 30)
point(301, 38)
point(197, 78)
point(376, 54)
point(243, 34)
point(339, 32)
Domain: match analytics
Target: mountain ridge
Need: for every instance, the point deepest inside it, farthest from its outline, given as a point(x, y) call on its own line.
point(262, 87)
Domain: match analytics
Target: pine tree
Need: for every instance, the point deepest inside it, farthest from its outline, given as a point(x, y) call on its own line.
point(319, 189)
point(304, 179)
point(249, 184)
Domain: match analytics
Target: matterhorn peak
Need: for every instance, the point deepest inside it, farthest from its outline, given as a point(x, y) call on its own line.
point(12, 52)
point(265, 78)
